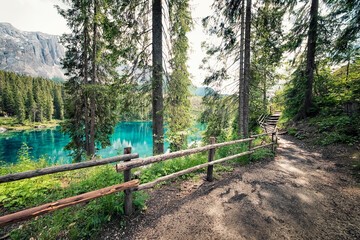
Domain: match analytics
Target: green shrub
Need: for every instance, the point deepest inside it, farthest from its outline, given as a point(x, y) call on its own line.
point(337, 129)
point(292, 130)
point(82, 221)
point(261, 154)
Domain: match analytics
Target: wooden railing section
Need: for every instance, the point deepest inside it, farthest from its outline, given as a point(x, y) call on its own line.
point(129, 185)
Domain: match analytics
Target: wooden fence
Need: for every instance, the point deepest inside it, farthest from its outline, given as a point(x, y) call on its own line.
point(130, 161)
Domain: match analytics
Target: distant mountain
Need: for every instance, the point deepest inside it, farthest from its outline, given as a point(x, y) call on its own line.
point(31, 53)
point(197, 91)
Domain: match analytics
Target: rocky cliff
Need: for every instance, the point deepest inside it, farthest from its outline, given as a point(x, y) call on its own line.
point(31, 53)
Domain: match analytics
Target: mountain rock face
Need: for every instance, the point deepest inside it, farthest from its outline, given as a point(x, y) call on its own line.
point(30, 53)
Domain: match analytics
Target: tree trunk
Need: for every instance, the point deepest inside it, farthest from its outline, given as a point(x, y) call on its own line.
point(264, 93)
point(310, 57)
point(241, 75)
point(247, 67)
point(157, 95)
point(86, 109)
point(93, 81)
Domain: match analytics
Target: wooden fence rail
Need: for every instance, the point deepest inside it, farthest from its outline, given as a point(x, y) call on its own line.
point(128, 186)
point(50, 207)
point(120, 167)
point(65, 167)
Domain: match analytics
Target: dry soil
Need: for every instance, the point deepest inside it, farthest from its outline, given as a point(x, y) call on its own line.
point(306, 192)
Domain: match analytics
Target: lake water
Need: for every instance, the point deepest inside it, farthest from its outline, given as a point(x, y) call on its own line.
point(51, 142)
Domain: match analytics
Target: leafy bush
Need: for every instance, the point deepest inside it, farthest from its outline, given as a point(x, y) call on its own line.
point(77, 222)
point(337, 129)
point(261, 154)
point(171, 166)
point(292, 130)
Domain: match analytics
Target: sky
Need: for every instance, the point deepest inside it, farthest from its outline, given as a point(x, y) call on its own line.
point(33, 15)
point(42, 16)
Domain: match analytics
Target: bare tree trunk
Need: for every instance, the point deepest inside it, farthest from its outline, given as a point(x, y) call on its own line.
point(310, 57)
point(247, 67)
point(241, 74)
point(93, 81)
point(157, 95)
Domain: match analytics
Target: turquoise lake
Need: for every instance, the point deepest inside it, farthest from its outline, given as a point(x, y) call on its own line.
point(50, 142)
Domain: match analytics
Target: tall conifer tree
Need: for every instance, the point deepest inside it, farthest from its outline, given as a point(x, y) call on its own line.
point(177, 102)
point(157, 78)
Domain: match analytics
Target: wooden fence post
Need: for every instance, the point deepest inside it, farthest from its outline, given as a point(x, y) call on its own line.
point(210, 169)
point(127, 192)
point(273, 141)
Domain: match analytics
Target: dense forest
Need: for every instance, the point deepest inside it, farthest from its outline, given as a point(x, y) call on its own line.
point(127, 60)
point(29, 98)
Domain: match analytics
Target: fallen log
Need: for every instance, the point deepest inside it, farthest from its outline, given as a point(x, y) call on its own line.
point(50, 207)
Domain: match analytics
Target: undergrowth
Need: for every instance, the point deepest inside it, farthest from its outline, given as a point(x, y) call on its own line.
point(337, 129)
point(326, 130)
point(84, 221)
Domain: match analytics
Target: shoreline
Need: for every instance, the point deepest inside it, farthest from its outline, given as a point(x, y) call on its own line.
point(10, 124)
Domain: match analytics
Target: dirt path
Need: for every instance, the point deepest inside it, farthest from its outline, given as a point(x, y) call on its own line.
point(300, 195)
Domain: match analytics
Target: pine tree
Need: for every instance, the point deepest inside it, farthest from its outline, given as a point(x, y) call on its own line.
point(19, 107)
point(58, 104)
point(94, 50)
point(177, 102)
point(235, 56)
point(310, 58)
point(35, 94)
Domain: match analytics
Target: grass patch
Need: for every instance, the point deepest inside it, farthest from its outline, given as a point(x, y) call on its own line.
point(160, 169)
point(261, 154)
point(84, 221)
point(11, 123)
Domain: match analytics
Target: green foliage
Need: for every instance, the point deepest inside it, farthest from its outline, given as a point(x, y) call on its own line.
point(26, 192)
point(78, 222)
point(217, 115)
point(292, 130)
point(171, 166)
point(177, 100)
point(333, 114)
point(261, 154)
point(29, 98)
point(346, 23)
point(94, 88)
point(337, 129)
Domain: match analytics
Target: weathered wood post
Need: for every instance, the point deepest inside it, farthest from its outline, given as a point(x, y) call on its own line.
point(210, 168)
point(273, 140)
point(127, 192)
